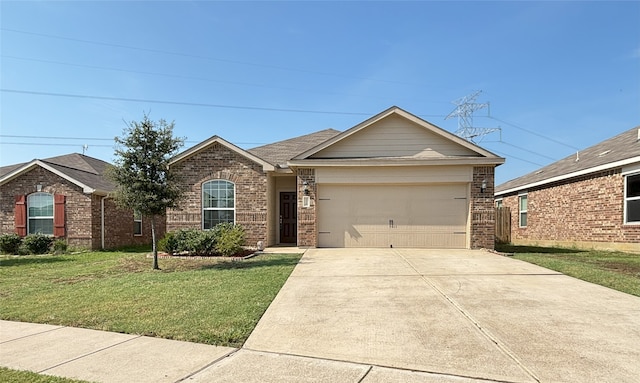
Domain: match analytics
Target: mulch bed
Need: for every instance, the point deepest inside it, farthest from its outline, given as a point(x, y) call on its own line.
point(245, 254)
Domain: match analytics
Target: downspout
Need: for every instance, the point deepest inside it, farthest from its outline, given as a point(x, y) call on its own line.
point(102, 221)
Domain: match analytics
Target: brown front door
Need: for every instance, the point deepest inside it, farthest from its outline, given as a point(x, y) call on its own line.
point(288, 217)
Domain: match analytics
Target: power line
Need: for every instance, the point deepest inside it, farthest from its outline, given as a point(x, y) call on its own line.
point(122, 46)
point(534, 133)
point(179, 76)
point(96, 139)
point(51, 144)
point(124, 99)
point(523, 149)
point(517, 158)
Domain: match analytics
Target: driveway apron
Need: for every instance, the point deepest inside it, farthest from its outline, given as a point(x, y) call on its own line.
point(461, 313)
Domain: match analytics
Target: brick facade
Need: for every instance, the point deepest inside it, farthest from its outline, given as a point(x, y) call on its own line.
point(483, 217)
point(218, 162)
point(307, 217)
point(587, 211)
point(83, 219)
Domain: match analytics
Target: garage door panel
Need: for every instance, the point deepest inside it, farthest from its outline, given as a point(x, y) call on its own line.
point(400, 215)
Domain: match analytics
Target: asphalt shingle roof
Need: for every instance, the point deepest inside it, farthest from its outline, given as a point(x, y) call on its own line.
point(621, 147)
point(84, 169)
point(280, 152)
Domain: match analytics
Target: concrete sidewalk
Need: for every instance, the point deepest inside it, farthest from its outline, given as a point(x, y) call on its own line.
point(378, 315)
point(100, 356)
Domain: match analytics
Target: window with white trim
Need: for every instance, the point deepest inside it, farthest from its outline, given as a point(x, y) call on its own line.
point(632, 198)
point(522, 210)
point(137, 223)
point(218, 203)
point(40, 213)
point(499, 202)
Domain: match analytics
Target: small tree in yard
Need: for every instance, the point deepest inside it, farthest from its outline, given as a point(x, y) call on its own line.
point(145, 183)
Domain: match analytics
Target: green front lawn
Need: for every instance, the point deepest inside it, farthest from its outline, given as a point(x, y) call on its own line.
point(616, 270)
point(214, 301)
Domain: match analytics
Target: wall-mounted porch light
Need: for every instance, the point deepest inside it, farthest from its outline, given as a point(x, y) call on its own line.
point(483, 186)
point(305, 188)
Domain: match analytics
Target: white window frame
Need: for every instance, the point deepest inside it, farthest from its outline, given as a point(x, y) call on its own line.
point(202, 201)
point(499, 202)
point(525, 211)
point(43, 217)
point(137, 220)
point(627, 199)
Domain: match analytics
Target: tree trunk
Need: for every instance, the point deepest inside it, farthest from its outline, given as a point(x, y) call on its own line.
point(153, 243)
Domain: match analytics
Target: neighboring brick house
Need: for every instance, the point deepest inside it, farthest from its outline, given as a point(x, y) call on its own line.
point(68, 197)
point(394, 180)
point(587, 200)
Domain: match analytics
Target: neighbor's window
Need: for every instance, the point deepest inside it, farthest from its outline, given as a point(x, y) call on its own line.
point(40, 213)
point(137, 223)
point(522, 210)
point(499, 202)
point(632, 199)
point(218, 203)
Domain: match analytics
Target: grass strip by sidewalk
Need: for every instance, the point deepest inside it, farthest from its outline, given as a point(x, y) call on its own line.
point(15, 376)
point(212, 300)
point(617, 270)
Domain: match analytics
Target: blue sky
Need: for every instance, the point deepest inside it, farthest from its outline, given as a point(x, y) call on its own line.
point(559, 76)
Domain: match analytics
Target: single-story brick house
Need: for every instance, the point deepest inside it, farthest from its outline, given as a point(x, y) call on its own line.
point(68, 197)
point(587, 200)
point(394, 180)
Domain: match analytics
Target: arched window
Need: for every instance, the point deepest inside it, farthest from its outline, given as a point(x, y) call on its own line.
point(40, 213)
point(218, 203)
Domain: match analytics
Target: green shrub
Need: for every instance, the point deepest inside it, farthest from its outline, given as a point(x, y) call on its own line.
point(224, 239)
point(37, 243)
point(60, 246)
point(10, 243)
point(169, 243)
point(230, 239)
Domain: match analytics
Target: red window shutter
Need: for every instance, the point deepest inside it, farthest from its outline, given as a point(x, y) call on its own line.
point(58, 215)
point(20, 215)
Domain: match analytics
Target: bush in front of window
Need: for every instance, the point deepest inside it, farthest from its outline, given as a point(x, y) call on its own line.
point(224, 239)
point(36, 244)
point(230, 239)
point(10, 243)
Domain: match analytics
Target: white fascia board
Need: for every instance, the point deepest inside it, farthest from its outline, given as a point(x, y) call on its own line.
point(16, 173)
point(394, 162)
point(579, 173)
point(267, 167)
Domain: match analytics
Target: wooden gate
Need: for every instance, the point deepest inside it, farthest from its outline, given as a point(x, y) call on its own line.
point(503, 225)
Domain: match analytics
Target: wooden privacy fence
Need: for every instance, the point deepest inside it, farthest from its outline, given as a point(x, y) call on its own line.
point(503, 225)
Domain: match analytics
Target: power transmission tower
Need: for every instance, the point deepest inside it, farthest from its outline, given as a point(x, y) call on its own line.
point(465, 107)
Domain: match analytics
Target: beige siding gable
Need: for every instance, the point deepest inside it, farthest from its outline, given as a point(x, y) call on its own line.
point(395, 136)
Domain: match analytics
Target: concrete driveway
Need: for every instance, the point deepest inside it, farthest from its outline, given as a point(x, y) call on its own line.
point(455, 314)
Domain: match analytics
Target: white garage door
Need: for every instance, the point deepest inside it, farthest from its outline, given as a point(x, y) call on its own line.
point(420, 216)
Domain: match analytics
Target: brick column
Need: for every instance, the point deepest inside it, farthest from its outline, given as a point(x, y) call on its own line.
point(483, 219)
point(307, 225)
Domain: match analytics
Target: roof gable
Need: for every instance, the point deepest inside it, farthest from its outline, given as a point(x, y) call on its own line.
point(266, 166)
point(395, 133)
point(83, 171)
point(618, 151)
